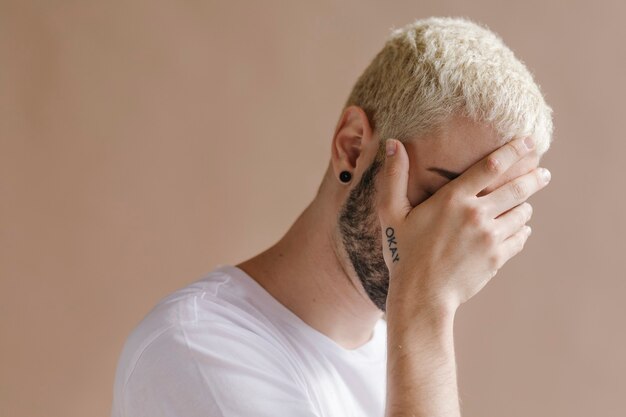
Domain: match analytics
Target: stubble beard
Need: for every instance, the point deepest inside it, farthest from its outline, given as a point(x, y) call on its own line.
point(361, 237)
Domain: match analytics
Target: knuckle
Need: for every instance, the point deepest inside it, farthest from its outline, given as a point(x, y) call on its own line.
point(449, 199)
point(519, 244)
point(490, 236)
point(475, 214)
point(391, 171)
point(528, 232)
point(521, 217)
point(519, 190)
point(495, 261)
point(493, 165)
point(529, 211)
point(540, 181)
point(517, 148)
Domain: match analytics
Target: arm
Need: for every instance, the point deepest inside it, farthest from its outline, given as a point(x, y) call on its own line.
point(421, 367)
point(439, 254)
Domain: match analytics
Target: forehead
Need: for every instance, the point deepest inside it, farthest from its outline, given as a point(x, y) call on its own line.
point(458, 145)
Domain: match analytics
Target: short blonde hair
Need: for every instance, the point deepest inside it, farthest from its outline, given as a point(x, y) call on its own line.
point(439, 67)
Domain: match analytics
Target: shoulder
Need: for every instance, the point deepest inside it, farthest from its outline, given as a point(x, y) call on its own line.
point(211, 317)
point(205, 345)
point(206, 370)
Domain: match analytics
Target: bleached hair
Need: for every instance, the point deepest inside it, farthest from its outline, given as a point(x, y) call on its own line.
point(439, 67)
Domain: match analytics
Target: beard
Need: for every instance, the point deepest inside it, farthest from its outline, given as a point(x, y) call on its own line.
point(361, 236)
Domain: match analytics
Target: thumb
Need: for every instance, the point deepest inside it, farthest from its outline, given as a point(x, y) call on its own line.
point(393, 202)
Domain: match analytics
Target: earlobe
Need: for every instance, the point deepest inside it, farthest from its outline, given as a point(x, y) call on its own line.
point(345, 176)
point(351, 134)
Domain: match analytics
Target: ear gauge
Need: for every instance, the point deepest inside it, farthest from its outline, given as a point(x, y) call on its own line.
point(345, 176)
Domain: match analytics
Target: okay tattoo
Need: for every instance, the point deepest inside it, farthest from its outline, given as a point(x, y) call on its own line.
point(393, 245)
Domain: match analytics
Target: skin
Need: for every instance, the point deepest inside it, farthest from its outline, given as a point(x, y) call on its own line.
point(400, 240)
point(465, 236)
point(309, 270)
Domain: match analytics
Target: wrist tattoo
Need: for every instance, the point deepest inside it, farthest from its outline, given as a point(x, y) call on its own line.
point(393, 245)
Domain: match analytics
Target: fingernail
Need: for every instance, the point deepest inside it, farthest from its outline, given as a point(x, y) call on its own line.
point(390, 146)
point(529, 142)
point(545, 174)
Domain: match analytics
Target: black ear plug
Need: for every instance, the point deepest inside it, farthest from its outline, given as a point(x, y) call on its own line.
point(345, 176)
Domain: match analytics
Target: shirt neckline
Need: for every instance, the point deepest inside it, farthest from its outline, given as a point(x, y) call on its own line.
point(373, 350)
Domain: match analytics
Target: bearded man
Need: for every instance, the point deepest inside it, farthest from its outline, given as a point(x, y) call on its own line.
point(351, 312)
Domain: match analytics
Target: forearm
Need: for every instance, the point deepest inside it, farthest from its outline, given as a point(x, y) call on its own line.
point(421, 367)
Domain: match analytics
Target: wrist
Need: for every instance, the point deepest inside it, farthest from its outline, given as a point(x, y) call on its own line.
point(421, 366)
point(423, 318)
point(409, 304)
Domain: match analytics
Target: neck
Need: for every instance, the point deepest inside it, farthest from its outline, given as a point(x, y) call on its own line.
point(308, 273)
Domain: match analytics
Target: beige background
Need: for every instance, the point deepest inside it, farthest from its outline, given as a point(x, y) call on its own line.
point(144, 142)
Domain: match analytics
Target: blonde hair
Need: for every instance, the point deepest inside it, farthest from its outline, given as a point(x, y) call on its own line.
point(438, 67)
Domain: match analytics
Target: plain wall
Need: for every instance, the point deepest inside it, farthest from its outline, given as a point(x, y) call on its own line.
point(144, 142)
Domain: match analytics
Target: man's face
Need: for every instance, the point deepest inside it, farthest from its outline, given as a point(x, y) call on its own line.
point(434, 160)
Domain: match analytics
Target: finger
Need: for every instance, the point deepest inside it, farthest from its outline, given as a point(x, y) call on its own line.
point(393, 202)
point(514, 244)
point(515, 191)
point(485, 172)
point(513, 220)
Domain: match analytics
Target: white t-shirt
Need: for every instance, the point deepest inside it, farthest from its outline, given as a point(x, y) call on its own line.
point(224, 347)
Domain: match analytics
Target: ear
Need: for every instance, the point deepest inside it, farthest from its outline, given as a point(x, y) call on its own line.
point(353, 135)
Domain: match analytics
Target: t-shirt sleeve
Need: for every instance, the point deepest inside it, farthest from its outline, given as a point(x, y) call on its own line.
point(215, 370)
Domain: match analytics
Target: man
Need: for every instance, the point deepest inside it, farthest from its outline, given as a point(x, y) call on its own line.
point(432, 159)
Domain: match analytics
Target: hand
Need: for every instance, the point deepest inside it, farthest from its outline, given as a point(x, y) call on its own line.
point(446, 249)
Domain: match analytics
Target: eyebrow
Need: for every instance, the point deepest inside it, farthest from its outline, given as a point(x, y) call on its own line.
point(444, 173)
